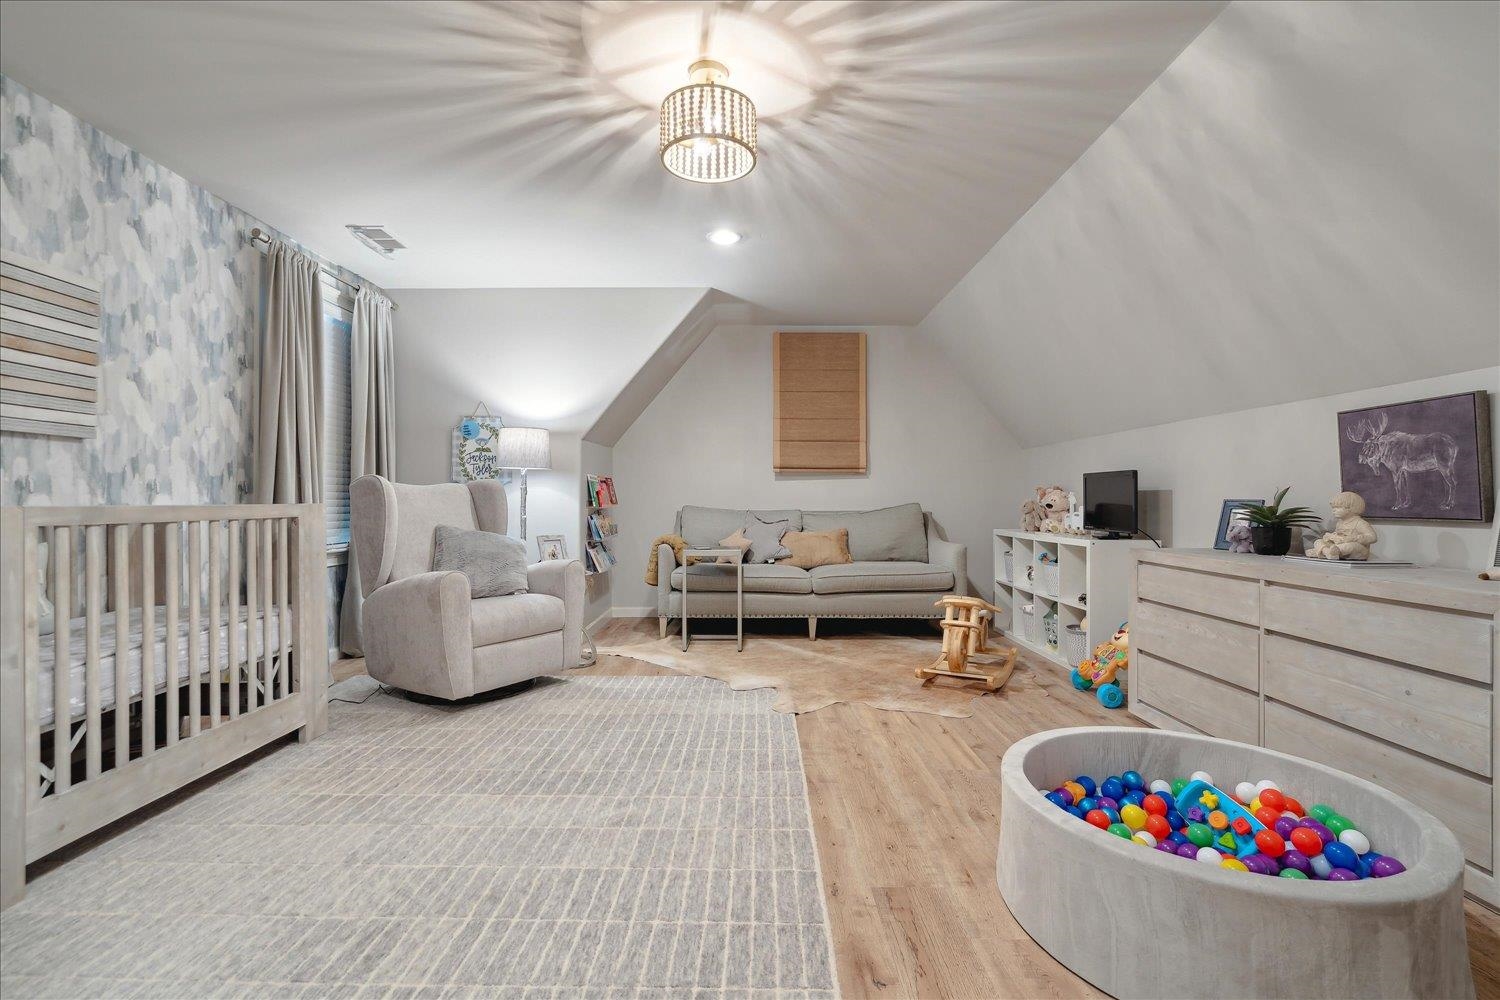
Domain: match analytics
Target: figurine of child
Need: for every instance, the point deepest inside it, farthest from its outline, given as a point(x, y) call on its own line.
point(1352, 537)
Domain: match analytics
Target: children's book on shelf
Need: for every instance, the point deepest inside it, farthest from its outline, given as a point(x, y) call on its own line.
point(602, 491)
point(602, 526)
point(600, 559)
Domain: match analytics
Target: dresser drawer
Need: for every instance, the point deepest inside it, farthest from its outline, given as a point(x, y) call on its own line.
point(1212, 646)
point(1207, 593)
point(1460, 800)
point(1436, 716)
point(1207, 705)
point(1445, 641)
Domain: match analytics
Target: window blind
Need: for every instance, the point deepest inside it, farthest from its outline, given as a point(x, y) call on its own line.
point(338, 318)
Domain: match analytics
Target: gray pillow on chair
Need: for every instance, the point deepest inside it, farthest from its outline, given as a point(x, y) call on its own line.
point(765, 539)
point(495, 564)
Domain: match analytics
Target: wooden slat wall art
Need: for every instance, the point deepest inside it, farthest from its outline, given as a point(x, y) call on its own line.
point(820, 420)
point(49, 349)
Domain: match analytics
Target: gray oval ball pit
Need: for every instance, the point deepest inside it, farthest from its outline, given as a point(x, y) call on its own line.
point(1138, 923)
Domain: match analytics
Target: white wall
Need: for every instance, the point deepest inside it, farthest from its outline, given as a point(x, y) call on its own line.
point(1306, 202)
point(706, 439)
point(1253, 453)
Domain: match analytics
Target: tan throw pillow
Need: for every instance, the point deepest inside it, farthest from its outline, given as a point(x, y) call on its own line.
point(817, 548)
point(735, 541)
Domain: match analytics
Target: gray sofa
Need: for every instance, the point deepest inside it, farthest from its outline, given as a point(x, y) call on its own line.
point(902, 565)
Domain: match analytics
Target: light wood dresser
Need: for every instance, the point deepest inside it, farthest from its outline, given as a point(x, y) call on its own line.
point(1388, 674)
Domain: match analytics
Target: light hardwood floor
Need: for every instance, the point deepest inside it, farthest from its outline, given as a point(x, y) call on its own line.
point(906, 810)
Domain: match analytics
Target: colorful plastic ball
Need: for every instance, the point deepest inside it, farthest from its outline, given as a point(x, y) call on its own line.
point(1321, 812)
point(1105, 802)
point(1175, 819)
point(1088, 803)
point(1270, 843)
point(1296, 859)
point(1293, 806)
point(1244, 792)
point(1059, 799)
point(1161, 786)
point(1338, 824)
point(1265, 783)
point(1233, 864)
point(1343, 875)
point(1167, 847)
point(1178, 784)
point(1321, 866)
point(1113, 814)
point(1324, 834)
point(1142, 837)
point(1155, 805)
point(1258, 864)
point(1209, 856)
point(1110, 695)
point(1133, 780)
point(1158, 827)
point(1341, 856)
point(1255, 806)
point(1384, 867)
point(1076, 790)
point(1120, 830)
point(1356, 841)
point(1187, 851)
point(1075, 811)
point(1284, 825)
point(1266, 815)
point(1200, 834)
point(1112, 788)
point(1067, 797)
point(1089, 788)
point(1202, 776)
point(1272, 797)
point(1097, 818)
point(1135, 797)
point(1293, 873)
point(1306, 841)
point(1178, 837)
point(1134, 817)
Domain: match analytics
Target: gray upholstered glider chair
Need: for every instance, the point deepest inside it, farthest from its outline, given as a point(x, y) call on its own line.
point(422, 630)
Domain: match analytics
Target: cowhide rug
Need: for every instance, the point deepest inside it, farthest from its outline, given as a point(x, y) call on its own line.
point(852, 665)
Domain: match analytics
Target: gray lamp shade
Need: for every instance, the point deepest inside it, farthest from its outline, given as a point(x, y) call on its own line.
point(524, 448)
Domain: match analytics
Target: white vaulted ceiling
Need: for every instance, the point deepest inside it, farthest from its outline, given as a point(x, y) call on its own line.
point(512, 145)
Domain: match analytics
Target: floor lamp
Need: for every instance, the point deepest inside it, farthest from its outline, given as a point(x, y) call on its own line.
point(524, 448)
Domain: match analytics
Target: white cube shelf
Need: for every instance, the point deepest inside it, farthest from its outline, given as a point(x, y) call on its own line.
point(1093, 583)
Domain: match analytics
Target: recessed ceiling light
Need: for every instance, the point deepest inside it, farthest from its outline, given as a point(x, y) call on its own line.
point(724, 237)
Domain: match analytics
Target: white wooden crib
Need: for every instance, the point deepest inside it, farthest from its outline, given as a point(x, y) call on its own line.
point(179, 639)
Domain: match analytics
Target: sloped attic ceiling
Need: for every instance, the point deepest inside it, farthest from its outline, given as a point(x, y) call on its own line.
point(1306, 202)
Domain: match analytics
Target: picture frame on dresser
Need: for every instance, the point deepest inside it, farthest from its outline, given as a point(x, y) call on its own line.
point(1227, 517)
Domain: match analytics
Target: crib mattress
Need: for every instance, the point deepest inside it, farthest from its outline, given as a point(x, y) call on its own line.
point(208, 632)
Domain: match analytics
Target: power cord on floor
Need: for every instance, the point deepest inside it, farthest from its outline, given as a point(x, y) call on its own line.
point(380, 689)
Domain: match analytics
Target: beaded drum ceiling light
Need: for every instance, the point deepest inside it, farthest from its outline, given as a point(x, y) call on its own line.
point(708, 129)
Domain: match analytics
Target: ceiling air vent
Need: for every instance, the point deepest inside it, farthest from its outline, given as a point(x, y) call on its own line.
point(377, 239)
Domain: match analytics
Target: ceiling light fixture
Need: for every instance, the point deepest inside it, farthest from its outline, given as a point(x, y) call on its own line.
point(708, 129)
point(724, 237)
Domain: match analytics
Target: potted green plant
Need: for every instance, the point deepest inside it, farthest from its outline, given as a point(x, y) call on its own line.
point(1271, 524)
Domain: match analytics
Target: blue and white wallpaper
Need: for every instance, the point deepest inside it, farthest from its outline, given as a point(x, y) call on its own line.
point(181, 282)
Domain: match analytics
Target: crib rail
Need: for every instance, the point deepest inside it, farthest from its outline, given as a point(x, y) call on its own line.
point(201, 634)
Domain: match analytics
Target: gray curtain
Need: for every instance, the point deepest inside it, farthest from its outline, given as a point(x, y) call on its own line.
point(372, 429)
point(289, 421)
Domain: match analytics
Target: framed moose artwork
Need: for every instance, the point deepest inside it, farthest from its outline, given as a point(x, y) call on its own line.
point(1428, 459)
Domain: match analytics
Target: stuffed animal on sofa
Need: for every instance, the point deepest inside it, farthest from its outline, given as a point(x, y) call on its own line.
point(1239, 536)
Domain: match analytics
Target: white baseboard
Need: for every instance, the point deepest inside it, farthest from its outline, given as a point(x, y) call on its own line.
point(649, 612)
point(599, 622)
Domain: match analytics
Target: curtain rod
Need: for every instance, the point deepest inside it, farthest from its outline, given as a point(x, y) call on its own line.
point(258, 235)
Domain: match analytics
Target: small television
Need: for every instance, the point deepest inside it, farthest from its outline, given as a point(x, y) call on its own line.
point(1110, 506)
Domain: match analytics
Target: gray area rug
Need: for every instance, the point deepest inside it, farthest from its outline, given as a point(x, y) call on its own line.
point(634, 837)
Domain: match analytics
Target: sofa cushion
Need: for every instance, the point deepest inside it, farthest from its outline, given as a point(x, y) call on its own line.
point(702, 527)
point(515, 616)
point(495, 564)
point(890, 533)
point(760, 578)
point(765, 538)
point(817, 548)
point(870, 577)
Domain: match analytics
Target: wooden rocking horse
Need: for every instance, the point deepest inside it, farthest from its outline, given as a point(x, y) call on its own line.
point(966, 629)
